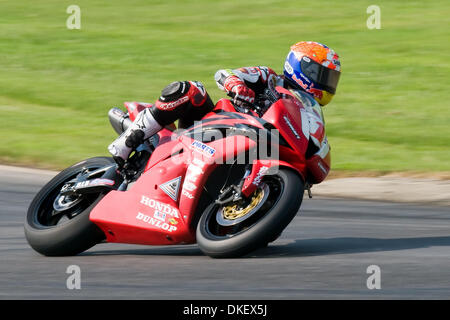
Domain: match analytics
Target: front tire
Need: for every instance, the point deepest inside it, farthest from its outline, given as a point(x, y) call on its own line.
point(68, 231)
point(220, 241)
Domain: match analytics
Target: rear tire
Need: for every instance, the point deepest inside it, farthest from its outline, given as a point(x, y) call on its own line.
point(265, 229)
point(76, 233)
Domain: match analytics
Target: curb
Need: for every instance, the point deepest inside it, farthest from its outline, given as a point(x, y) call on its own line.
point(393, 189)
point(11, 170)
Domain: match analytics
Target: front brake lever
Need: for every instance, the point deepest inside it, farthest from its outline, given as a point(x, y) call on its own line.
point(252, 106)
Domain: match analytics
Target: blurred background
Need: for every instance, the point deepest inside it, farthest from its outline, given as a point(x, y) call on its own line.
point(390, 113)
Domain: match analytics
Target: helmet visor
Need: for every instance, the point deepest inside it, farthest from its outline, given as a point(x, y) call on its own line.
point(326, 77)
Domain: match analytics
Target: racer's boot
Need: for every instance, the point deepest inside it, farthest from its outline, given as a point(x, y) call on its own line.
point(143, 127)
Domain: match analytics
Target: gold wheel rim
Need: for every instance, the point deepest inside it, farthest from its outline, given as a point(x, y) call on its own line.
point(232, 212)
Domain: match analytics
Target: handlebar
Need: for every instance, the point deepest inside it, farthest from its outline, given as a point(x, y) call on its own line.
point(267, 95)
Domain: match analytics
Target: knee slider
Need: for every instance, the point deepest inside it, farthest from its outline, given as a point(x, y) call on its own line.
point(174, 91)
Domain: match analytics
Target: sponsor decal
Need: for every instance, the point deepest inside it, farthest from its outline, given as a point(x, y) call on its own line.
point(171, 188)
point(301, 83)
point(82, 184)
point(305, 78)
point(159, 206)
point(173, 221)
point(189, 186)
point(187, 194)
point(95, 182)
point(194, 170)
point(288, 122)
point(99, 181)
point(155, 222)
point(288, 67)
point(204, 148)
point(260, 175)
point(159, 215)
point(316, 92)
point(174, 104)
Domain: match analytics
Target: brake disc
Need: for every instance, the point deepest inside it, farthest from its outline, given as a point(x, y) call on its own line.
point(63, 203)
point(233, 214)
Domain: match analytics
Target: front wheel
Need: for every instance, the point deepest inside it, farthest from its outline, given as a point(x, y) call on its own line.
point(58, 225)
point(237, 229)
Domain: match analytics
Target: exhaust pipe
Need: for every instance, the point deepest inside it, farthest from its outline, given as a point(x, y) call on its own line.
point(120, 121)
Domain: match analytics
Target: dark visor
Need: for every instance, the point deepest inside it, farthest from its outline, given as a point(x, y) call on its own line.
point(326, 77)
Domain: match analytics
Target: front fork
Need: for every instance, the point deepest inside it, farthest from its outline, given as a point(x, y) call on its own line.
point(259, 169)
point(105, 178)
point(251, 180)
point(234, 192)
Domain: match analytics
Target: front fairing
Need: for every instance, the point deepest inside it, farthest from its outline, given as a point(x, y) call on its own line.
point(289, 117)
point(308, 102)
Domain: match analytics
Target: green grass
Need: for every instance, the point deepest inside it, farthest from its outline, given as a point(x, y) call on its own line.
point(391, 111)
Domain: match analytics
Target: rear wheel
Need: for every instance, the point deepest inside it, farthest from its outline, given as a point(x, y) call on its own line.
point(58, 225)
point(236, 229)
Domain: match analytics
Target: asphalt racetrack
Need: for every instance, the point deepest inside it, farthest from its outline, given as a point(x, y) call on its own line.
point(323, 254)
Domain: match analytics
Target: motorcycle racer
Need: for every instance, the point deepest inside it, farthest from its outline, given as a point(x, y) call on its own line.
point(311, 74)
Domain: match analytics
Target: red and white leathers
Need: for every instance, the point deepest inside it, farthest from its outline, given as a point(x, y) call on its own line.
point(185, 101)
point(245, 83)
point(253, 81)
point(188, 101)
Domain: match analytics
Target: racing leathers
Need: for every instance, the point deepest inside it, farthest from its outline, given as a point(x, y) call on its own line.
point(185, 101)
point(249, 83)
point(188, 101)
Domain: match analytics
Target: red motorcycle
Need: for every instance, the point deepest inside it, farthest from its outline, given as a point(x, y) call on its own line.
point(231, 183)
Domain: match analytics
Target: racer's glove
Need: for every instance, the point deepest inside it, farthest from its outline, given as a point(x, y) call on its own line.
point(242, 93)
point(237, 89)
